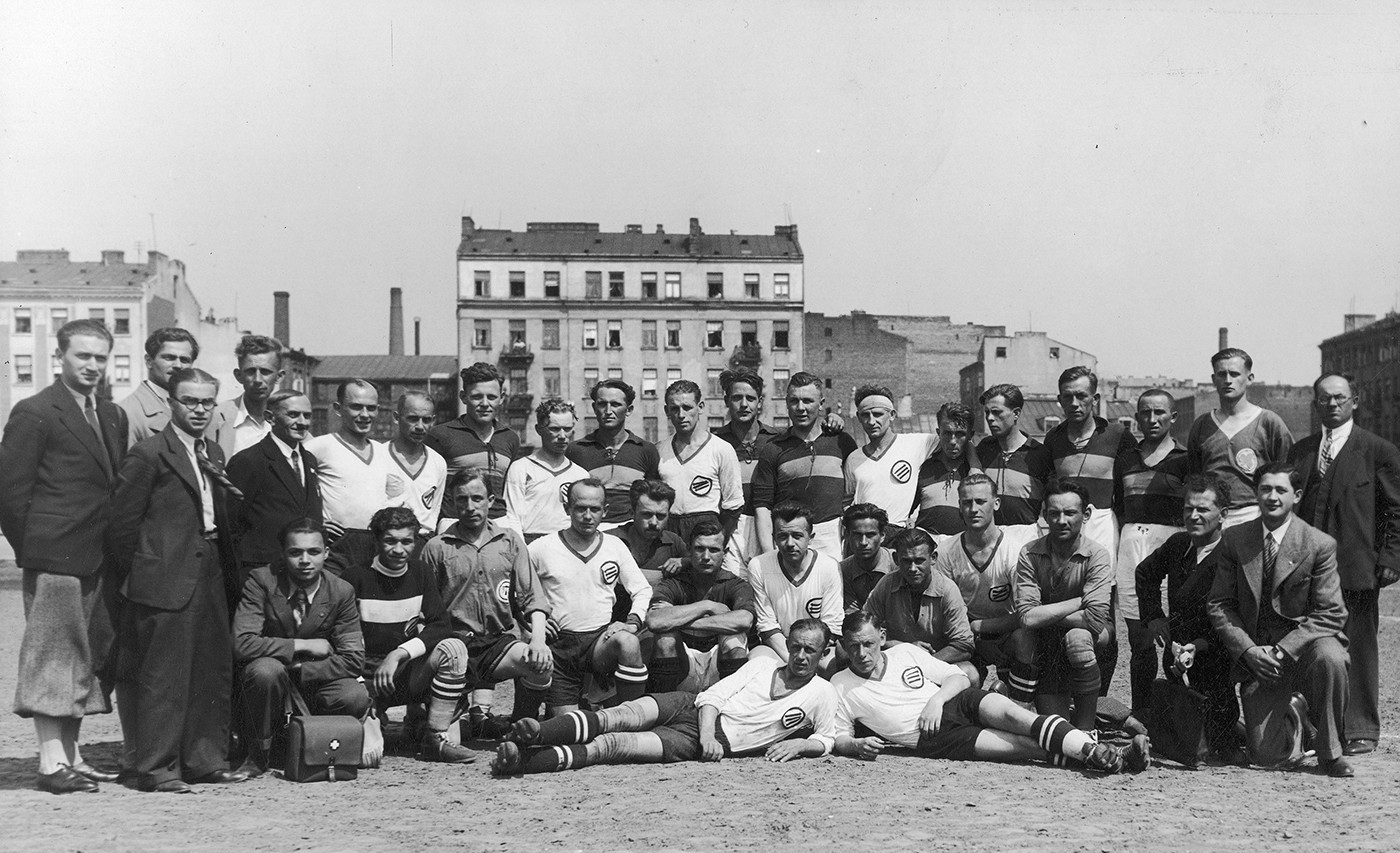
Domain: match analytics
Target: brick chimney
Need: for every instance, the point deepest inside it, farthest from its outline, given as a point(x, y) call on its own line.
point(396, 321)
point(113, 256)
point(1224, 337)
point(282, 317)
point(468, 226)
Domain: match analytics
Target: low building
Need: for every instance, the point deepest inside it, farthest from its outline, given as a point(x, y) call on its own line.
point(1032, 361)
point(392, 375)
point(939, 350)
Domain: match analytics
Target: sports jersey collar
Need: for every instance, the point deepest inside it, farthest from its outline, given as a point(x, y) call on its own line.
point(931, 591)
point(1041, 546)
point(493, 532)
point(693, 578)
point(763, 429)
point(460, 423)
point(592, 438)
point(1177, 447)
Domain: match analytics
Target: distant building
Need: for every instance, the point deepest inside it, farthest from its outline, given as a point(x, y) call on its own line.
point(1369, 349)
point(940, 349)
point(392, 375)
point(562, 305)
point(1127, 389)
point(850, 350)
point(1032, 361)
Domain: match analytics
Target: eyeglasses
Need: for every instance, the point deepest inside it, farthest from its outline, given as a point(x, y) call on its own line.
point(1328, 399)
point(192, 403)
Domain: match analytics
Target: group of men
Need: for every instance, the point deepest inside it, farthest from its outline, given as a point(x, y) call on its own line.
point(751, 590)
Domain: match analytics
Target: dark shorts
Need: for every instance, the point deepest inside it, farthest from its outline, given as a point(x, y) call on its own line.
point(957, 735)
point(678, 726)
point(484, 654)
point(573, 659)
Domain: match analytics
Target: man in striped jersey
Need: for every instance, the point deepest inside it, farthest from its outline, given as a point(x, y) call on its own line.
point(538, 485)
point(474, 439)
point(940, 474)
point(1017, 463)
point(704, 472)
point(882, 472)
point(613, 454)
point(748, 435)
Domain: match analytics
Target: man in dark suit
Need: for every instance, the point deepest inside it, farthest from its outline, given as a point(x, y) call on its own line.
point(277, 477)
point(297, 628)
point(1351, 490)
point(169, 539)
point(1277, 606)
point(58, 459)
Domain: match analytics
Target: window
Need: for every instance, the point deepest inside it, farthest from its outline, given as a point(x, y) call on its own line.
point(24, 325)
point(551, 382)
point(1054, 352)
point(614, 373)
point(590, 334)
point(715, 389)
point(748, 333)
point(649, 383)
point(1001, 352)
point(98, 314)
point(24, 370)
point(751, 285)
point(648, 334)
point(826, 332)
point(828, 384)
point(649, 429)
point(58, 317)
point(549, 335)
point(616, 286)
point(714, 334)
point(780, 334)
point(1128, 423)
point(517, 335)
point(673, 285)
point(780, 286)
point(1049, 422)
point(551, 285)
point(673, 375)
point(56, 368)
point(590, 378)
point(518, 379)
point(483, 283)
point(716, 422)
point(714, 284)
point(121, 321)
point(481, 334)
point(121, 369)
point(648, 285)
point(517, 285)
point(673, 334)
point(614, 334)
point(780, 380)
point(826, 355)
point(593, 285)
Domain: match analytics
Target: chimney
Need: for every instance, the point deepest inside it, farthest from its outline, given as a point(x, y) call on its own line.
point(417, 335)
point(1224, 337)
point(468, 226)
point(113, 256)
point(788, 231)
point(282, 317)
point(396, 321)
point(634, 229)
point(695, 227)
point(660, 229)
point(1352, 322)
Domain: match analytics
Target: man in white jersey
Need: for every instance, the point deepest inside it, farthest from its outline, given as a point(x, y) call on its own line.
point(418, 473)
point(578, 568)
point(780, 710)
point(538, 485)
point(353, 469)
point(793, 582)
point(883, 471)
point(704, 471)
point(913, 700)
point(981, 562)
point(1238, 438)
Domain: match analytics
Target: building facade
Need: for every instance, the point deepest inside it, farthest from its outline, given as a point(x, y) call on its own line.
point(562, 305)
point(1032, 361)
point(850, 350)
point(392, 376)
point(1369, 350)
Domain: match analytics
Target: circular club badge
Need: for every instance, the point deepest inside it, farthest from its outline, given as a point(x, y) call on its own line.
point(564, 493)
point(901, 472)
point(913, 678)
point(429, 496)
point(1000, 593)
point(701, 486)
point(503, 591)
point(610, 572)
point(793, 717)
point(814, 608)
point(1246, 460)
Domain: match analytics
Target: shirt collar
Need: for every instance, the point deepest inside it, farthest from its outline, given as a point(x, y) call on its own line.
point(185, 438)
point(161, 394)
point(240, 414)
point(1042, 546)
point(491, 529)
point(1340, 434)
point(285, 448)
point(592, 438)
point(1203, 551)
point(80, 397)
point(310, 593)
point(1282, 530)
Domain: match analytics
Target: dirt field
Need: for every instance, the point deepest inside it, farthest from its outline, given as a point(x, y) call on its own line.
point(896, 803)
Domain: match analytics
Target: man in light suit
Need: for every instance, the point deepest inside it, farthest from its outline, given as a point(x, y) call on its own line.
point(148, 407)
point(243, 421)
point(58, 459)
point(1277, 606)
point(1351, 490)
point(170, 542)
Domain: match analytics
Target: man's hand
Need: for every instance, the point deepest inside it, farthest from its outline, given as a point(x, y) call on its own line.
point(1160, 631)
point(384, 675)
point(869, 748)
point(538, 656)
point(925, 646)
point(672, 567)
point(1387, 575)
point(785, 750)
point(710, 750)
point(833, 423)
point(1261, 662)
point(614, 628)
point(314, 649)
point(932, 717)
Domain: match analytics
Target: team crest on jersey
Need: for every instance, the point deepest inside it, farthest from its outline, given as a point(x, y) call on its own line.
point(611, 570)
point(701, 486)
point(901, 472)
point(428, 497)
point(913, 678)
point(1000, 593)
point(1246, 460)
point(503, 591)
point(793, 717)
point(564, 493)
point(814, 608)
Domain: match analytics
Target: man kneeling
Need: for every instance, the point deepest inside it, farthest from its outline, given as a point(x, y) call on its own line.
point(761, 708)
point(911, 699)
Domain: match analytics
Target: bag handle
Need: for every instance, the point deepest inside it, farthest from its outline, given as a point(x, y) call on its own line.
point(299, 706)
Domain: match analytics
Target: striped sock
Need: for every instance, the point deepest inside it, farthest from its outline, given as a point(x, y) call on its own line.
point(1023, 681)
point(447, 692)
point(1049, 730)
point(552, 759)
point(573, 727)
point(631, 682)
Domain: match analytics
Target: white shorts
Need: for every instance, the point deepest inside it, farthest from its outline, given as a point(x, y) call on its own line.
point(704, 670)
point(1240, 515)
point(1135, 543)
point(743, 546)
point(826, 538)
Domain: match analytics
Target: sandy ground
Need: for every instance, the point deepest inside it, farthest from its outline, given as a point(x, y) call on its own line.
point(895, 803)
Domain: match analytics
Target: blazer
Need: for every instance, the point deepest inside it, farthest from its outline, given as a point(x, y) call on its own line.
point(264, 627)
point(156, 536)
point(1357, 502)
point(147, 413)
point(272, 497)
point(54, 487)
point(1188, 588)
point(1306, 590)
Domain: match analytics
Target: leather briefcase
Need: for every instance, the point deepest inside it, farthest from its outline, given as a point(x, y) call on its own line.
point(322, 749)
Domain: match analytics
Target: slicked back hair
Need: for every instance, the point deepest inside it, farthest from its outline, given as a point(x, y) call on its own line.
point(345, 386)
point(977, 478)
point(789, 511)
point(170, 335)
point(192, 374)
point(1229, 353)
point(802, 379)
point(704, 527)
point(1006, 391)
point(862, 512)
point(652, 489)
point(728, 378)
point(683, 386)
point(1079, 371)
point(300, 525)
point(1066, 487)
point(628, 393)
point(93, 328)
point(1200, 484)
point(1295, 477)
point(462, 476)
point(912, 537)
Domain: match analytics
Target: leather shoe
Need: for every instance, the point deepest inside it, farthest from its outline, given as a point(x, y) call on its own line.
point(65, 780)
point(1359, 746)
point(96, 774)
point(169, 786)
point(1300, 706)
point(1339, 768)
point(221, 777)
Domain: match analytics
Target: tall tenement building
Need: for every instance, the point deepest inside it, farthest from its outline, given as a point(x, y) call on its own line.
point(1369, 349)
point(562, 305)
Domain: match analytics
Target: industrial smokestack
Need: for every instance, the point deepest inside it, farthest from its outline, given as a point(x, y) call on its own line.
point(417, 335)
point(395, 321)
point(1224, 337)
point(282, 317)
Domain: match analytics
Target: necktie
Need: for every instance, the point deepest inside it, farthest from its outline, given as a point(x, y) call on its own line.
point(299, 605)
point(214, 471)
point(296, 467)
point(1266, 583)
point(1325, 460)
point(90, 412)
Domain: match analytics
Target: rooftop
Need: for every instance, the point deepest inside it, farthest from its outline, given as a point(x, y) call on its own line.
point(1365, 326)
point(50, 273)
point(384, 366)
point(582, 239)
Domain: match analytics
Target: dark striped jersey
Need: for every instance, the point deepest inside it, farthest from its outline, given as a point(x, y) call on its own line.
point(403, 611)
point(814, 475)
point(1020, 477)
point(1152, 494)
point(459, 444)
point(938, 495)
point(1090, 464)
point(748, 452)
point(637, 459)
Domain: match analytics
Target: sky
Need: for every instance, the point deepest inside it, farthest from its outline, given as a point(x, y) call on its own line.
point(1125, 178)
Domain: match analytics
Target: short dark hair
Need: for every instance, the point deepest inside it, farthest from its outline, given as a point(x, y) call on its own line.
point(1076, 372)
point(959, 414)
point(1350, 380)
point(728, 378)
point(653, 489)
point(588, 483)
point(257, 345)
point(1229, 353)
point(1157, 392)
point(1008, 392)
point(912, 537)
point(356, 383)
point(553, 406)
point(807, 623)
point(873, 391)
point(1066, 487)
point(1295, 477)
point(628, 393)
point(481, 371)
point(863, 512)
point(300, 525)
point(94, 328)
point(704, 527)
point(682, 386)
point(857, 619)
point(392, 518)
point(462, 476)
point(978, 478)
point(801, 379)
point(789, 511)
point(1199, 484)
point(170, 335)
point(192, 374)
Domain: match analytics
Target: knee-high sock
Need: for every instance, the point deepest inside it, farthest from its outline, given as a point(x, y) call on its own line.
point(1024, 679)
point(729, 666)
point(449, 662)
point(573, 727)
point(529, 695)
point(1049, 730)
point(666, 673)
point(631, 682)
point(552, 759)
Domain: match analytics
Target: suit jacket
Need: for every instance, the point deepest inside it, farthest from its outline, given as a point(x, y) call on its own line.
point(1188, 588)
point(1307, 591)
point(1357, 502)
point(54, 487)
point(264, 626)
point(147, 413)
point(272, 497)
point(156, 536)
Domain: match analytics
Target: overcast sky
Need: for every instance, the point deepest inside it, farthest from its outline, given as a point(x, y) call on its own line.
point(1124, 180)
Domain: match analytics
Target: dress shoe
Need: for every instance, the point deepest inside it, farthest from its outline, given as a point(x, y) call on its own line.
point(96, 774)
point(169, 786)
point(1339, 768)
point(256, 763)
point(221, 777)
point(65, 780)
point(1359, 746)
point(1300, 706)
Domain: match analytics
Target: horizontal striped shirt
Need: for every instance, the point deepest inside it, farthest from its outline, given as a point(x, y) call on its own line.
point(461, 447)
point(748, 452)
point(637, 459)
point(1152, 494)
point(1090, 464)
point(813, 474)
point(1020, 477)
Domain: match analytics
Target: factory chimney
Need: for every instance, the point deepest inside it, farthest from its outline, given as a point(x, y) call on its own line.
point(282, 317)
point(1224, 337)
point(396, 321)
